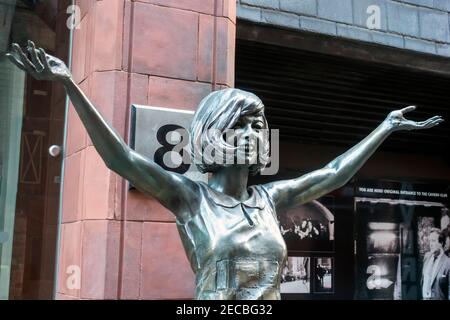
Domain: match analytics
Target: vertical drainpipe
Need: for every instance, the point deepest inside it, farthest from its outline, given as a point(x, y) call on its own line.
point(61, 186)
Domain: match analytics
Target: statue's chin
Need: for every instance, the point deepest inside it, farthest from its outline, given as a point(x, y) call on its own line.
point(246, 158)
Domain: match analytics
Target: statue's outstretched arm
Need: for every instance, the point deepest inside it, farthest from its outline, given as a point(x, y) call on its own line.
point(174, 191)
point(291, 193)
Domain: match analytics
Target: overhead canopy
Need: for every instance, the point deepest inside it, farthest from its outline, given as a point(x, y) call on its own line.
point(323, 99)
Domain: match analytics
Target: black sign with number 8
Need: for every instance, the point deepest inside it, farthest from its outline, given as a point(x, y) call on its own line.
point(168, 146)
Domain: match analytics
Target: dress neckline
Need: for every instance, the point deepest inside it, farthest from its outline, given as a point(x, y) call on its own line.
point(254, 200)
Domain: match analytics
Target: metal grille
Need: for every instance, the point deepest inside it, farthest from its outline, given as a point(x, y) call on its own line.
point(322, 99)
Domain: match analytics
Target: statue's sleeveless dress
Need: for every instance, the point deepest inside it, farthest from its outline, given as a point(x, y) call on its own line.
point(235, 248)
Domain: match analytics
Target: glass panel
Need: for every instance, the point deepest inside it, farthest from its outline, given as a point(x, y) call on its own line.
point(11, 105)
point(32, 115)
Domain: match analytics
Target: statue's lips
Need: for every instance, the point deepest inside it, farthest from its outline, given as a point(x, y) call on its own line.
point(249, 156)
point(247, 147)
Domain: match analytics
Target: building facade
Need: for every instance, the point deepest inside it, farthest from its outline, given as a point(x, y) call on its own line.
point(72, 229)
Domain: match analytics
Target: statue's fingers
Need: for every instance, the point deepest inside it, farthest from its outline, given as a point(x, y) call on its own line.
point(423, 124)
point(43, 57)
point(435, 122)
point(408, 109)
point(431, 119)
point(16, 61)
point(23, 57)
point(33, 54)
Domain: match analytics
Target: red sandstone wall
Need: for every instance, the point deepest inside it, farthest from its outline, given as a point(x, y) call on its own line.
point(153, 52)
point(168, 53)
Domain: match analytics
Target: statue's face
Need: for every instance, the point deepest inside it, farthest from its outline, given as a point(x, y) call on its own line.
point(249, 138)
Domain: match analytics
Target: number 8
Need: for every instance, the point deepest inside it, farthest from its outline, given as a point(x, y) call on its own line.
point(167, 146)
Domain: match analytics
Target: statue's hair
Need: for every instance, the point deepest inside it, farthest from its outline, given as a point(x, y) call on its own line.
point(217, 113)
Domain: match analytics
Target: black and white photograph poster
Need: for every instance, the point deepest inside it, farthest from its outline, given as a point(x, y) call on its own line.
point(309, 227)
point(313, 232)
point(402, 240)
point(296, 275)
point(323, 275)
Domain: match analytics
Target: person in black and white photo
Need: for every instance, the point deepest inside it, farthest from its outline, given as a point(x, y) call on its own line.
point(446, 233)
point(308, 228)
point(445, 219)
point(436, 269)
point(320, 273)
point(323, 275)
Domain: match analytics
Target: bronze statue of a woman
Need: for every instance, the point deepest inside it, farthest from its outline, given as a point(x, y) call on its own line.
point(230, 231)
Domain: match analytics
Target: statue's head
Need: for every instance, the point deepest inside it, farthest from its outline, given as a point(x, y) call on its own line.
point(230, 128)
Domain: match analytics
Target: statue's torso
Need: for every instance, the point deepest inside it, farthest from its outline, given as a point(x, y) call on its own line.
point(236, 249)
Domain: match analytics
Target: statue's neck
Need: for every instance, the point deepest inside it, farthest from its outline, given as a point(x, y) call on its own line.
point(231, 181)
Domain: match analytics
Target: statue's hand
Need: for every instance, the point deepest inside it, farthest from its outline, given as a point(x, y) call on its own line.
point(36, 62)
point(397, 120)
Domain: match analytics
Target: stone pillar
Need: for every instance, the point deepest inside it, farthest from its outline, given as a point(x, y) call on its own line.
point(166, 53)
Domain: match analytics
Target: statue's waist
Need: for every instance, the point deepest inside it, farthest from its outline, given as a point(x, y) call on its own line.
point(240, 294)
point(242, 276)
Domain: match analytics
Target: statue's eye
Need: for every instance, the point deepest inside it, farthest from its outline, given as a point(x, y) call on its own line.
point(239, 124)
point(257, 125)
